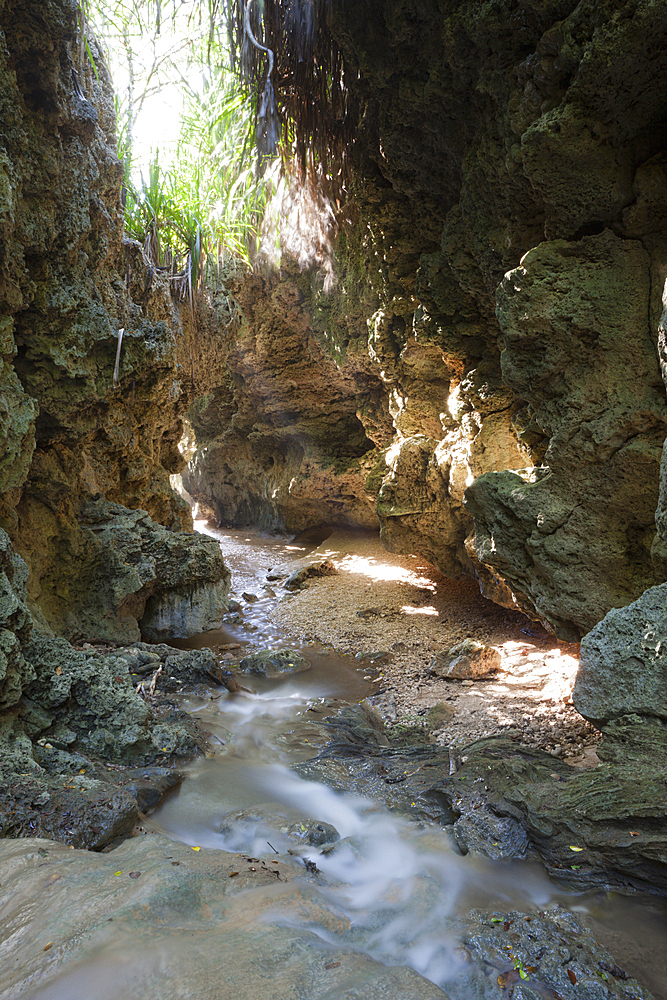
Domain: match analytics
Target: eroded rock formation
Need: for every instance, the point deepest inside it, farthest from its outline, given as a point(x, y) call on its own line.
point(68, 283)
point(94, 544)
point(482, 373)
point(485, 368)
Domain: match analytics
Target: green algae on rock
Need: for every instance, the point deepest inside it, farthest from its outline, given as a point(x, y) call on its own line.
point(70, 747)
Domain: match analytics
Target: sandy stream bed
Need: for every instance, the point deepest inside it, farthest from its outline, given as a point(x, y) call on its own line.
point(381, 603)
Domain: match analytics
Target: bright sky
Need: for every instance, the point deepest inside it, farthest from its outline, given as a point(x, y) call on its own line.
point(160, 70)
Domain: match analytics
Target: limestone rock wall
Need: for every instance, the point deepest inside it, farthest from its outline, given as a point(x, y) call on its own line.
point(68, 283)
point(282, 443)
point(496, 318)
point(482, 375)
point(555, 133)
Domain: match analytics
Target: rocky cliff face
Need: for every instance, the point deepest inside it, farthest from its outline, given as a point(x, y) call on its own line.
point(94, 545)
point(481, 375)
point(493, 335)
point(76, 446)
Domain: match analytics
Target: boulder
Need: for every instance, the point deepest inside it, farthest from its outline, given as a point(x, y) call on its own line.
point(468, 660)
point(548, 953)
point(134, 576)
point(193, 666)
point(623, 665)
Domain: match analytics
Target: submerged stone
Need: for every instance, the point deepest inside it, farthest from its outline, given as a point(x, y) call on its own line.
point(254, 823)
point(274, 663)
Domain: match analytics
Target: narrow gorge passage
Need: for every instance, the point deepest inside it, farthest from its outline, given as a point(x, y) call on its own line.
point(402, 886)
point(424, 350)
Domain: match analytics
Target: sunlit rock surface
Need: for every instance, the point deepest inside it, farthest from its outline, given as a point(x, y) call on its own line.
point(494, 315)
point(281, 442)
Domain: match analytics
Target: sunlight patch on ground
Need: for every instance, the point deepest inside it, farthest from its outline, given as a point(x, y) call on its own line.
point(552, 671)
point(408, 609)
point(367, 566)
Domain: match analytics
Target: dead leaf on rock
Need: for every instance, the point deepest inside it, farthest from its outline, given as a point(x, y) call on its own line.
point(507, 978)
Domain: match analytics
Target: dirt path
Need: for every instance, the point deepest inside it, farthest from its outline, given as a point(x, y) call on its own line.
point(401, 607)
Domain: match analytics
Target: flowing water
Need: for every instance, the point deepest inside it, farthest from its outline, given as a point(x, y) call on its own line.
point(390, 867)
point(389, 890)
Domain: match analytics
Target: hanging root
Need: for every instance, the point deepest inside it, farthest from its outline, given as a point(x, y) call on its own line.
point(267, 116)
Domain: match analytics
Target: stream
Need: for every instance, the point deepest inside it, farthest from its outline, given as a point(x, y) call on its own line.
point(262, 734)
point(368, 884)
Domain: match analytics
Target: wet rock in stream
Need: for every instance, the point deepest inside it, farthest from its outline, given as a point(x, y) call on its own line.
point(274, 663)
point(545, 955)
point(157, 918)
point(602, 826)
point(251, 823)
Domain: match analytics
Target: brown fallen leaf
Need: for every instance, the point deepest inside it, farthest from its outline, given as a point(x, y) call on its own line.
point(47, 946)
point(232, 874)
point(59, 671)
point(135, 874)
point(507, 978)
point(332, 965)
point(572, 977)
